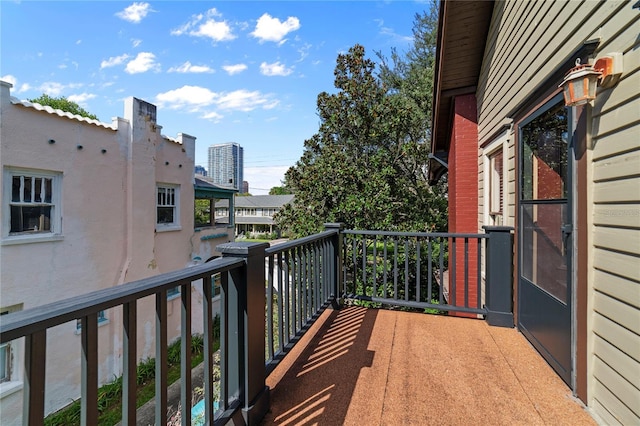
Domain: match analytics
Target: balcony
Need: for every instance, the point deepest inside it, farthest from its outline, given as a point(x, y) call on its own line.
point(323, 353)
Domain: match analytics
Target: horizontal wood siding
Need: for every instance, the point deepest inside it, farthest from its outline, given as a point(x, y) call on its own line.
point(526, 43)
point(615, 176)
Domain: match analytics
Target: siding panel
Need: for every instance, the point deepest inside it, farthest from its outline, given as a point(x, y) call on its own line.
point(622, 215)
point(624, 416)
point(627, 190)
point(626, 240)
point(622, 314)
point(628, 394)
point(618, 264)
point(625, 340)
point(623, 364)
point(617, 287)
point(620, 166)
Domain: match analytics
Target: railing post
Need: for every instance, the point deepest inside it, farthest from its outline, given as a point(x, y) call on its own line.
point(336, 264)
point(247, 286)
point(499, 275)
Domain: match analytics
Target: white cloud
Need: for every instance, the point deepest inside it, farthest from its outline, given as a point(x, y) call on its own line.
point(135, 42)
point(234, 69)
point(113, 61)
point(62, 66)
point(135, 13)
point(244, 100)
point(275, 69)
point(53, 88)
point(187, 67)
point(10, 79)
point(186, 96)
point(81, 98)
point(272, 29)
point(389, 32)
point(213, 116)
point(195, 98)
point(78, 41)
point(205, 25)
point(24, 87)
point(145, 61)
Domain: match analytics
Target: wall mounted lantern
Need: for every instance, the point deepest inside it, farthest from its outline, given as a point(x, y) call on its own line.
point(580, 83)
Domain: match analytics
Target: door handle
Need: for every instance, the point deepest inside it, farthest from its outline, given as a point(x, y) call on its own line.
point(567, 229)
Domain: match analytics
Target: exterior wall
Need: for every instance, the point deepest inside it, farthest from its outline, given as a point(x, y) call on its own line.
point(108, 235)
point(463, 182)
point(526, 41)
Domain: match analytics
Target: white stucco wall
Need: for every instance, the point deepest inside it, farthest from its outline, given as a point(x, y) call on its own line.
point(108, 235)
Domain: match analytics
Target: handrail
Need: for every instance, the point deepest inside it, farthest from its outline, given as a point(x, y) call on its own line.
point(414, 234)
point(299, 242)
point(32, 320)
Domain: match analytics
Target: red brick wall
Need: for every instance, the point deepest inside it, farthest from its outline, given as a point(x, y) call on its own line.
point(463, 196)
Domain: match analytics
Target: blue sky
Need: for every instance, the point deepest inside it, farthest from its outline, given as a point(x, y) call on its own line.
point(223, 71)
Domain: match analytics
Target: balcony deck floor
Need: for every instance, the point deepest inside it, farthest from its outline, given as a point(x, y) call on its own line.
point(377, 367)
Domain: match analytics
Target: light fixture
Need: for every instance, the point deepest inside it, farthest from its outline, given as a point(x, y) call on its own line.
point(581, 82)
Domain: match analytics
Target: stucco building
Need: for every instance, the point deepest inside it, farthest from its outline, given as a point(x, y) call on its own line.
point(88, 205)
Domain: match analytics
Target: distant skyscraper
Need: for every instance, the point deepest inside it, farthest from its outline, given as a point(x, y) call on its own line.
point(199, 170)
point(226, 165)
point(245, 187)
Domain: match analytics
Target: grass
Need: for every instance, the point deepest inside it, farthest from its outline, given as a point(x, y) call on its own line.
point(110, 394)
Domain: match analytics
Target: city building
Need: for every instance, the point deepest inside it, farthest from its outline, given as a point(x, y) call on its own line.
point(86, 206)
point(563, 172)
point(199, 170)
point(253, 214)
point(226, 165)
point(245, 187)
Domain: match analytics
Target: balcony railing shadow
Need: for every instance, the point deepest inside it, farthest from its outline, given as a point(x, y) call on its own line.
point(326, 371)
point(303, 278)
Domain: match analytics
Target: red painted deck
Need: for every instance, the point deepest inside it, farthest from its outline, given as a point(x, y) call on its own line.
point(376, 367)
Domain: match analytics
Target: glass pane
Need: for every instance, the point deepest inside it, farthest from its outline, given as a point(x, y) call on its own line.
point(165, 214)
point(543, 251)
point(15, 189)
point(48, 184)
point(544, 156)
point(4, 363)
point(27, 190)
point(30, 219)
point(38, 191)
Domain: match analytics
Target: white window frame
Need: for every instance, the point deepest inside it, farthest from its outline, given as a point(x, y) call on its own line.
point(175, 225)
point(15, 382)
point(55, 231)
point(501, 143)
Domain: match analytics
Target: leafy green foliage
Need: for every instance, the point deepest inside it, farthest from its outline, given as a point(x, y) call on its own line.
point(110, 394)
point(64, 104)
point(366, 165)
point(279, 190)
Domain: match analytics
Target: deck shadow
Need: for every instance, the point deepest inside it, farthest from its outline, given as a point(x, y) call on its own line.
point(318, 386)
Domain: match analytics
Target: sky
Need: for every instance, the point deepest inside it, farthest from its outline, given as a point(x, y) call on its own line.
point(222, 71)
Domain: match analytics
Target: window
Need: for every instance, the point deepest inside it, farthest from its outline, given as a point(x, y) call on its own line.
point(10, 373)
point(102, 320)
point(173, 292)
point(31, 204)
point(496, 188)
point(167, 212)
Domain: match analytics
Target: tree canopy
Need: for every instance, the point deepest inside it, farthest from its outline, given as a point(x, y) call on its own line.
point(279, 190)
point(63, 104)
point(366, 165)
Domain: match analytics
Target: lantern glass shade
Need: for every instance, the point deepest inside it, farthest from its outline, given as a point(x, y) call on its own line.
point(579, 85)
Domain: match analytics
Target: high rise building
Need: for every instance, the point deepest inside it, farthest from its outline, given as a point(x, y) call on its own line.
point(226, 165)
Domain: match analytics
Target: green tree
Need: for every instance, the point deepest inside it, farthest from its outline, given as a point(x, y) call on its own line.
point(366, 165)
point(63, 104)
point(279, 190)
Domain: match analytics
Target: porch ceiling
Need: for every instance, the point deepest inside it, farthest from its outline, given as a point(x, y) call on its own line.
point(462, 34)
